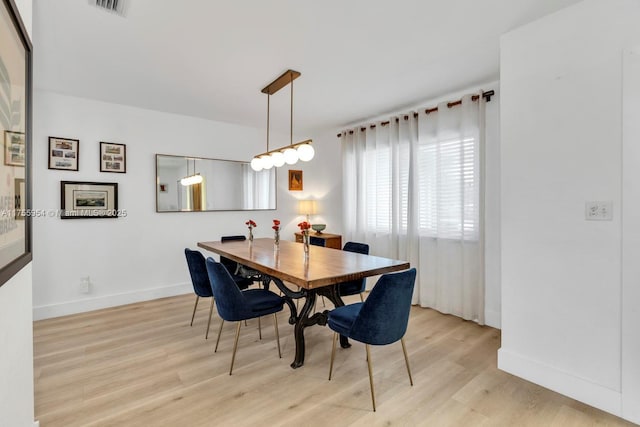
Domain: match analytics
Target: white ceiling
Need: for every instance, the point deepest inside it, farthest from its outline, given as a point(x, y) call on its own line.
point(210, 58)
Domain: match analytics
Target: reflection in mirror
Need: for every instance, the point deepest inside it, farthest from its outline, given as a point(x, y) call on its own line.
point(187, 184)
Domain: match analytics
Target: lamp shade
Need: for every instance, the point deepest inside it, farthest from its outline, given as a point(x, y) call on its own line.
point(278, 159)
point(307, 207)
point(256, 164)
point(267, 162)
point(191, 180)
point(306, 152)
point(291, 156)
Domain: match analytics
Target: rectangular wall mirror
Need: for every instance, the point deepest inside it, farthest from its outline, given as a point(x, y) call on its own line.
point(188, 184)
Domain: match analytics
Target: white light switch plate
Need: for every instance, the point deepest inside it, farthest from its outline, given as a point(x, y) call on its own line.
point(598, 211)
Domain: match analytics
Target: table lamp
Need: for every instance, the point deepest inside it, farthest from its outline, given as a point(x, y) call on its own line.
point(307, 207)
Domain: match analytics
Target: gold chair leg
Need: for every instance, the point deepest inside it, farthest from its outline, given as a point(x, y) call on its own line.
point(235, 347)
point(259, 329)
point(333, 353)
point(275, 321)
point(194, 310)
point(373, 396)
point(219, 332)
point(361, 297)
point(406, 360)
point(206, 336)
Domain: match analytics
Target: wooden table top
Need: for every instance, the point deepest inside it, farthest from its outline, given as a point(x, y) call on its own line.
point(324, 266)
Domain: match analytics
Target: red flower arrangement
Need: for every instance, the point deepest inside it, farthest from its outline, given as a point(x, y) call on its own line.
point(250, 224)
point(276, 228)
point(304, 229)
point(304, 226)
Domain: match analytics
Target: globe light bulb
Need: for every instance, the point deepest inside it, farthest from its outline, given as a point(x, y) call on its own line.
point(306, 152)
point(278, 159)
point(191, 180)
point(256, 164)
point(290, 156)
point(267, 162)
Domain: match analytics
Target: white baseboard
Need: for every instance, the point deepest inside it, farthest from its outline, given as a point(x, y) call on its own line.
point(493, 319)
point(562, 382)
point(36, 423)
point(96, 303)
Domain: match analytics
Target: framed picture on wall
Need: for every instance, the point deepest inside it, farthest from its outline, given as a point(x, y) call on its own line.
point(88, 199)
point(113, 157)
point(14, 148)
point(64, 153)
point(295, 180)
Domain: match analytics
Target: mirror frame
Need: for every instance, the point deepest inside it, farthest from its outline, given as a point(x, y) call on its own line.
point(10, 269)
point(157, 184)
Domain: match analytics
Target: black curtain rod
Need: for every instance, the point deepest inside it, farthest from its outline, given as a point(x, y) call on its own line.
point(486, 95)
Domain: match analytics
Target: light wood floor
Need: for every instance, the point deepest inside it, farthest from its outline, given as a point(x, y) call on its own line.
point(143, 365)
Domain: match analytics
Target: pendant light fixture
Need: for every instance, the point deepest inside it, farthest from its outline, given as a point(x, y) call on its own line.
point(291, 153)
point(188, 180)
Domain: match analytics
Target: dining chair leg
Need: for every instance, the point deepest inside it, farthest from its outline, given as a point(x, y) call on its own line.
point(333, 353)
point(259, 329)
point(275, 321)
point(206, 336)
point(194, 310)
point(235, 347)
point(373, 396)
point(219, 332)
point(406, 360)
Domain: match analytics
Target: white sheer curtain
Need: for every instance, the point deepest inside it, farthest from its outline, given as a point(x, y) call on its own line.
point(257, 188)
point(413, 190)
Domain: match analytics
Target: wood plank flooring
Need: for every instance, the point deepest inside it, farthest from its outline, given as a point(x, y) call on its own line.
point(143, 365)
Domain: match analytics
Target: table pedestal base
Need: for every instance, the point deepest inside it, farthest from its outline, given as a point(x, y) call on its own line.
point(305, 318)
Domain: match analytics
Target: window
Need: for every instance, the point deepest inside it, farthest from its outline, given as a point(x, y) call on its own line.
point(443, 193)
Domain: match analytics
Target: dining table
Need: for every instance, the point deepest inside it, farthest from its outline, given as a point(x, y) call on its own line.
point(314, 273)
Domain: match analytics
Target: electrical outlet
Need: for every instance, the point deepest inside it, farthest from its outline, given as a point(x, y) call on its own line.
point(598, 211)
point(85, 283)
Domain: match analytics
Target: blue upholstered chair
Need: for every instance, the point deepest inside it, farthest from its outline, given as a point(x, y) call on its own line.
point(354, 287)
point(382, 319)
point(243, 277)
point(235, 305)
point(200, 281)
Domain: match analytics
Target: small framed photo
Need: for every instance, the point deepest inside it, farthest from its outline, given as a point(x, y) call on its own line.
point(88, 199)
point(295, 180)
point(113, 157)
point(14, 148)
point(64, 153)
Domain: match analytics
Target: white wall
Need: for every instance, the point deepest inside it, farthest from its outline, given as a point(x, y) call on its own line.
point(561, 81)
point(16, 354)
point(141, 256)
point(16, 332)
point(631, 235)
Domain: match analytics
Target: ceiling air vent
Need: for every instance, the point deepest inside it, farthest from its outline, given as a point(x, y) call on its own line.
point(114, 6)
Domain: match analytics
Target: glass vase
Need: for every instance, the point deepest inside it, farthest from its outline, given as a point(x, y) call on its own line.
point(250, 235)
point(276, 240)
point(305, 243)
